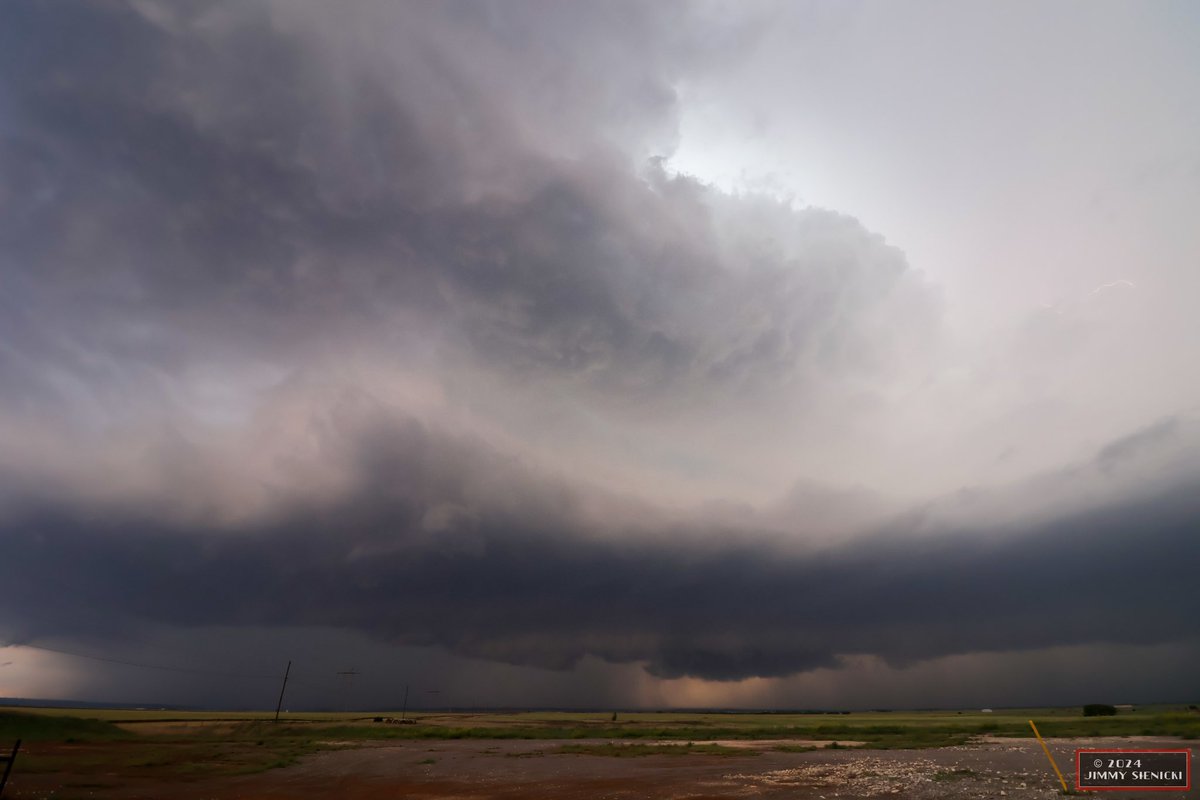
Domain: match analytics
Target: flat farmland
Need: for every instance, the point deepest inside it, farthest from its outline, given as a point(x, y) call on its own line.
point(121, 753)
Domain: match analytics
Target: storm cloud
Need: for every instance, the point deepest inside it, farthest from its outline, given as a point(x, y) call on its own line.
point(399, 320)
point(443, 545)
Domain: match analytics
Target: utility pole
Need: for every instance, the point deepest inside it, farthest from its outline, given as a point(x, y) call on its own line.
point(279, 705)
point(403, 710)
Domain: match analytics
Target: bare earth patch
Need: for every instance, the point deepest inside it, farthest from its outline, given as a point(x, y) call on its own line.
point(768, 744)
point(510, 769)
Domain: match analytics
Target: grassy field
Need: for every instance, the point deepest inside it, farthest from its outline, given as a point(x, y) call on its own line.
point(156, 743)
point(53, 743)
point(920, 728)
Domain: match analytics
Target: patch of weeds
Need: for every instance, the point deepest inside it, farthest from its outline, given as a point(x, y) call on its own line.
point(427, 761)
point(73, 730)
point(955, 775)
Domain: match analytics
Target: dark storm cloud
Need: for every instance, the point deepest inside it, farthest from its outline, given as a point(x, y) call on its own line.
point(184, 182)
point(446, 545)
point(429, 191)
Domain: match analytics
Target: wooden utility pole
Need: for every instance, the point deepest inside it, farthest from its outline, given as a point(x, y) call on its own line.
point(279, 705)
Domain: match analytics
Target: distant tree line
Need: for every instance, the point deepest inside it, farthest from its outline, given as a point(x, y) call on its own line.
point(1099, 710)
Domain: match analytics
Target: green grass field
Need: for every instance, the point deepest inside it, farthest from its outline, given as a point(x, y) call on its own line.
point(884, 729)
point(193, 744)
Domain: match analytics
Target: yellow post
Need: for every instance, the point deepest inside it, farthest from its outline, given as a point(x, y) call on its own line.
point(1047, 749)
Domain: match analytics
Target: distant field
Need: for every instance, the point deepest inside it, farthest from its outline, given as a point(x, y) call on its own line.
point(874, 729)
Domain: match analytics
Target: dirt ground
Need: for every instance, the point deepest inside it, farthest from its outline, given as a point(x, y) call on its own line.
point(511, 769)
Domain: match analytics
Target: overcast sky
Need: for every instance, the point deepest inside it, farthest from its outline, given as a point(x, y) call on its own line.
point(600, 354)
